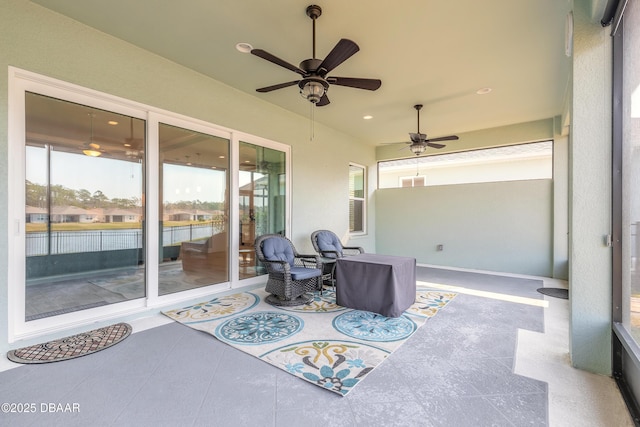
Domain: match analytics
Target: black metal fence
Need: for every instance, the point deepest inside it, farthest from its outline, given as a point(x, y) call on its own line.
point(66, 242)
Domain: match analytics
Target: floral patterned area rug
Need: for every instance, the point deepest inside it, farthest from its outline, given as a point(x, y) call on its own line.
point(328, 345)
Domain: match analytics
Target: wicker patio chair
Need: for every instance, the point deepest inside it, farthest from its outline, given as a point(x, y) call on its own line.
point(327, 244)
point(292, 276)
point(330, 248)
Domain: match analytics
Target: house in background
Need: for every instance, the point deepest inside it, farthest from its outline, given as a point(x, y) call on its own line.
point(120, 215)
point(36, 215)
point(558, 227)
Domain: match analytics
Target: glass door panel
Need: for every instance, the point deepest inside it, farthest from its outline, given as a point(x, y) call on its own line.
point(194, 209)
point(84, 207)
point(262, 201)
point(631, 169)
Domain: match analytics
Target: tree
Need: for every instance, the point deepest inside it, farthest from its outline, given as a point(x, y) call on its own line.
point(36, 195)
point(99, 199)
point(62, 196)
point(84, 197)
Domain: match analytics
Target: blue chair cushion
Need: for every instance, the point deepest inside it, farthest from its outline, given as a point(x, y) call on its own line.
point(302, 273)
point(327, 241)
point(277, 249)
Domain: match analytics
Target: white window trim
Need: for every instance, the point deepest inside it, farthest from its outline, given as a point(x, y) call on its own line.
point(364, 201)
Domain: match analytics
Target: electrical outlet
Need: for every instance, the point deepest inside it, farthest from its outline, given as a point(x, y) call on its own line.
point(440, 247)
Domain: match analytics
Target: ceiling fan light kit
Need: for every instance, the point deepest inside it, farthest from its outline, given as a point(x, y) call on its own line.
point(92, 148)
point(91, 153)
point(417, 149)
point(315, 82)
point(313, 89)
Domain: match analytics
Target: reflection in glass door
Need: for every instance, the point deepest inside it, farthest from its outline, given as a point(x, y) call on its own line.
point(262, 180)
point(84, 207)
point(194, 209)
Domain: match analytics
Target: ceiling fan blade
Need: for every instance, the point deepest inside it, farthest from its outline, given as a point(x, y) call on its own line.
point(367, 84)
point(278, 86)
point(342, 51)
point(443, 138)
point(323, 101)
point(281, 62)
point(429, 144)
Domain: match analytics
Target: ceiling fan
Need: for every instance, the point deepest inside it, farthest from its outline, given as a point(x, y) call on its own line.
point(419, 141)
point(91, 148)
point(130, 141)
point(315, 82)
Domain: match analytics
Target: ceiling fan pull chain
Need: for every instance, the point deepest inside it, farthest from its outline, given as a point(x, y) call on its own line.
point(312, 121)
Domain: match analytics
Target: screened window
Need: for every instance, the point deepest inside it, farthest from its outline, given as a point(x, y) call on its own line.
point(631, 168)
point(509, 163)
point(357, 202)
point(626, 202)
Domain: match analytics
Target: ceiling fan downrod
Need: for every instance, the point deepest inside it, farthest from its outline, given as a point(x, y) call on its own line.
point(418, 107)
point(314, 13)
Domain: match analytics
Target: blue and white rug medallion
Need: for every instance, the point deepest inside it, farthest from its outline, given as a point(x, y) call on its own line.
point(258, 328)
point(323, 343)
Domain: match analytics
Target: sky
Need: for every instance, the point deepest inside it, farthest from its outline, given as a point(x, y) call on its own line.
point(121, 179)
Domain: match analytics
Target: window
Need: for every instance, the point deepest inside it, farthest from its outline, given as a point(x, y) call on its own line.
point(412, 181)
point(509, 163)
point(357, 201)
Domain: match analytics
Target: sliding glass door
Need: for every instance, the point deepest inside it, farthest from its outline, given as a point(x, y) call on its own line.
point(194, 209)
point(118, 208)
point(84, 207)
point(262, 200)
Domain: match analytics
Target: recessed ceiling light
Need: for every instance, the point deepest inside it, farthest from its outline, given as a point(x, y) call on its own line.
point(247, 161)
point(127, 145)
point(483, 91)
point(244, 47)
point(367, 117)
point(112, 122)
point(221, 157)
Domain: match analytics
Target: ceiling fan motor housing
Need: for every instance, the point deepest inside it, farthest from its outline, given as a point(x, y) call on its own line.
point(310, 65)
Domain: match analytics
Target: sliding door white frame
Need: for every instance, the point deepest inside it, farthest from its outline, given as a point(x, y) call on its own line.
point(20, 82)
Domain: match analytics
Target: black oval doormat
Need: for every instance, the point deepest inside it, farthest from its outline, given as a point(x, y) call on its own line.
point(555, 292)
point(73, 346)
